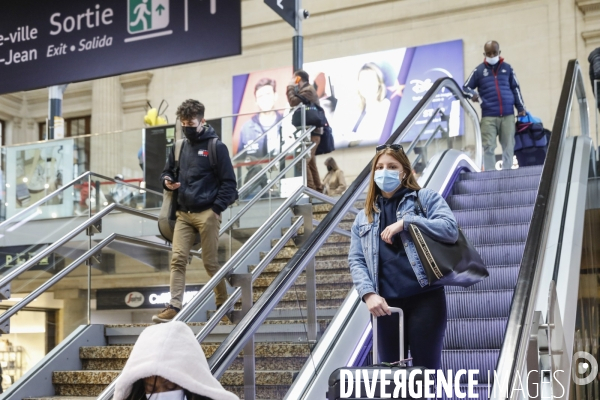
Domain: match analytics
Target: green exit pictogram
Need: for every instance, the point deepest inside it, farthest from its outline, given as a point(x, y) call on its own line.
point(147, 15)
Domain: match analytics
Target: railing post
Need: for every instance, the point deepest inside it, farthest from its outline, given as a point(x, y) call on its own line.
point(89, 261)
point(303, 121)
point(245, 282)
point(305, 210)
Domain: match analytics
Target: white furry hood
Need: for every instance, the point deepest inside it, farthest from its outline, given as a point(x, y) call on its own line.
point(170, 351)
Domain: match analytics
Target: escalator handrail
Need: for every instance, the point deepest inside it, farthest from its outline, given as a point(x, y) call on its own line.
point(234, 342)
point(262, 135)
point(514, 346)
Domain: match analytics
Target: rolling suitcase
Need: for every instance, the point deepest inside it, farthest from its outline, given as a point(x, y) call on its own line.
point(367, 391)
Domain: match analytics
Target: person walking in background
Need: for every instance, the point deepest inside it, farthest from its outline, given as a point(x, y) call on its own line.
point(499, 93)
point(203, 194)
point(300, 86)
point(168, 363)
point(334, 183)
point(265, 93)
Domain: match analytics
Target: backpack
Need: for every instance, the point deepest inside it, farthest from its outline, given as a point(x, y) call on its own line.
point(167, 216)
point(531, 141)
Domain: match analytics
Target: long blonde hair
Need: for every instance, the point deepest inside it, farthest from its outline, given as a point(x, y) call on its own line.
point(409, 180)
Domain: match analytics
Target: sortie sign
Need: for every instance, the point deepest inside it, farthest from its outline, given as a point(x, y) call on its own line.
point(45, 43)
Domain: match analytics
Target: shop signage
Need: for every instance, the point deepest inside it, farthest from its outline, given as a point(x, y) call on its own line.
point(14, 256)
point(45, 43)
point(139, 298)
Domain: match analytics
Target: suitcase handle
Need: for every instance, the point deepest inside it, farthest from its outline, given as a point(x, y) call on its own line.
point(375, 346)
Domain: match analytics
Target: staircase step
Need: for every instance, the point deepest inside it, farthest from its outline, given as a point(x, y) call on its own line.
point(320, 265)
point(330, 280)
point(329, 251)
point(479, 303)
point(475, 333)
point(236, 378)
point(502, 185)
point(299, 294)
point(494, 234)
point(488, 200)
point(494, 216)
point(333, 239)
point(349, 217)
point(505, 173)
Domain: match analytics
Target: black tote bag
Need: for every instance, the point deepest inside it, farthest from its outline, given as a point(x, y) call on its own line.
point(447, 264)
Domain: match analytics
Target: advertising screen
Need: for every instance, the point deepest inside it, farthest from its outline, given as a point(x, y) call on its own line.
point(365, 97)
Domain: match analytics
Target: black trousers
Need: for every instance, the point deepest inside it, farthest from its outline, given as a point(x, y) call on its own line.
point(425, 319)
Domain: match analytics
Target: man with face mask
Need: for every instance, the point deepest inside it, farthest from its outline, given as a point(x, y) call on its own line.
point(265, 93)
point(499, 93)
point(203, 193)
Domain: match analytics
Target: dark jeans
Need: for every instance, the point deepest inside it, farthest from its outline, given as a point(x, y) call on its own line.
point(425, 320)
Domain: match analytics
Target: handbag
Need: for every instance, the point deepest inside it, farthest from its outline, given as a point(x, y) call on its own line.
point(315, 115)
point(447, 264)
point(327, 143)
point(168, 211)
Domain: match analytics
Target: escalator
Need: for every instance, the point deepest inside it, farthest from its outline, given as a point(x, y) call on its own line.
point(527, 225)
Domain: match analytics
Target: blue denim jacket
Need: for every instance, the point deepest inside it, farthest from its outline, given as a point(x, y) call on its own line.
point(363, 258)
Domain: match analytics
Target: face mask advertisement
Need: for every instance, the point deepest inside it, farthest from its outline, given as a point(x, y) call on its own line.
point(365, 97)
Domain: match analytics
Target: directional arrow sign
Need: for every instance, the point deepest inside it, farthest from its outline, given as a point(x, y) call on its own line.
point(285, 8)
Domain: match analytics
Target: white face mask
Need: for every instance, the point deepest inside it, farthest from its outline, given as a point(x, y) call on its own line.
point(172, 395)
point(492, 60)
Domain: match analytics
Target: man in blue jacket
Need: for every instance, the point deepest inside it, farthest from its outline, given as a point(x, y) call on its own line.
point(203, 193)
point(499, 93)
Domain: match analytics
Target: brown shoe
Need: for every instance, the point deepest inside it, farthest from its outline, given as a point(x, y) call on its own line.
point(165, 315)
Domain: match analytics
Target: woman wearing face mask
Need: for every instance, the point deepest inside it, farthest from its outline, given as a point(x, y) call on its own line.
point(167, 363)
point(384, 263)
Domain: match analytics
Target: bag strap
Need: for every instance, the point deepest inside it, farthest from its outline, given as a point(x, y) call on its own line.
point(178, 149)
point(212, 155)
point(420, 209)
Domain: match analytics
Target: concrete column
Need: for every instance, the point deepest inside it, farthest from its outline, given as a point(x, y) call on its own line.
point(107, 116)
point(74, 311)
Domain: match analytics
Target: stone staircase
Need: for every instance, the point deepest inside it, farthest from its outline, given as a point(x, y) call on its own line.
point(281, 344)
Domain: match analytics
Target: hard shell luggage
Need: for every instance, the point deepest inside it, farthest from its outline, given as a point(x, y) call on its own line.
point(367, 391)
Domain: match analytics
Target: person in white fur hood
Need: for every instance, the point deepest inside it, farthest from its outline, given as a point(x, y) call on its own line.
point(168, 363)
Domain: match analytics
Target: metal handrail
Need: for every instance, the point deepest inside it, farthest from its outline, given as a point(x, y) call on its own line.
point(514, 347)
point(274, 162)
point(64, 188)
point(245, 329)
point(4, 317)
point(264, 190)
point(262, 135)
point(5, 280)
point(98, 216)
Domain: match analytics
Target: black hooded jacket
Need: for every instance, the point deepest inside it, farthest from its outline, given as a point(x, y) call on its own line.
point(201, 188)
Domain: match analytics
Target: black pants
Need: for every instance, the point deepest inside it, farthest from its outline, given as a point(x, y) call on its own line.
point(425, 320)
